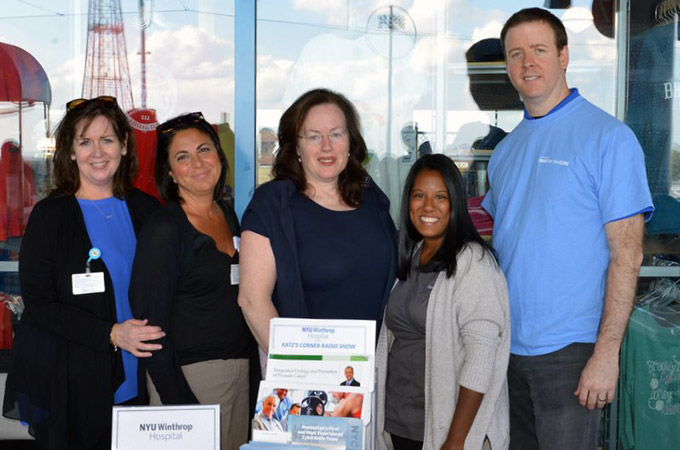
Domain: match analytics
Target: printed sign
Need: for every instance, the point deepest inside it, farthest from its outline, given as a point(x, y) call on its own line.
point(166, 427)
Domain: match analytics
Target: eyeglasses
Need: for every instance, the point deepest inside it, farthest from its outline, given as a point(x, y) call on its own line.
point(81, 102)
point(316, 139)
point(169, 125)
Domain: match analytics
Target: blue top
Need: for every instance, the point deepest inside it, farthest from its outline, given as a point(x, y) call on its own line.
point(336, 247)
point(555, 183)
point(270, 214)
point(110, 229)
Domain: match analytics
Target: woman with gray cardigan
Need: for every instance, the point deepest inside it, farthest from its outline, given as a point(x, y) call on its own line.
point(444, 345)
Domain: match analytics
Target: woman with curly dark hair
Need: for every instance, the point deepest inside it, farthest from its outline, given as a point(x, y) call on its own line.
point(184, 281)
point(318, 241)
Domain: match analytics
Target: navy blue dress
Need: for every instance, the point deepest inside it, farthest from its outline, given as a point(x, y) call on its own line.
point(344, 260)
point(329, 264)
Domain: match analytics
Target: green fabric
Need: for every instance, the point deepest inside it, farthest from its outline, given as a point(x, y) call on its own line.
point(650, 383)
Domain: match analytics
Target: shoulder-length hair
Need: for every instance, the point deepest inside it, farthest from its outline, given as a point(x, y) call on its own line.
point(66, 174)
point(459, 232)
point(286, 163)
point(167, 188)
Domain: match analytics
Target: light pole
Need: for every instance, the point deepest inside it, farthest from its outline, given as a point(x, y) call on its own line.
point(391, 19)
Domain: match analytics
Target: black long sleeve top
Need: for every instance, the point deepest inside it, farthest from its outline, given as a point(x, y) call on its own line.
point(64, 370)
point(181, 282)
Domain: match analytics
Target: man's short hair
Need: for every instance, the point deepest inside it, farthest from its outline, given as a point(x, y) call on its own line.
point(536, 15)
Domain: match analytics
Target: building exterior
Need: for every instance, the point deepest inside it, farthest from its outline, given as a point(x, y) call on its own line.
point(423, 74)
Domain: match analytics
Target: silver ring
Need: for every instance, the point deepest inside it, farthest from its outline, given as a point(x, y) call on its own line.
point(601, 399)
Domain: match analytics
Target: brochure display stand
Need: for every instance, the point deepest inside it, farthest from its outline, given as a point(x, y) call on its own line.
point(319, 386)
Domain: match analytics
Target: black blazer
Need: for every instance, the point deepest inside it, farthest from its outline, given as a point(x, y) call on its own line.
point(353, 383)
point(64, 370)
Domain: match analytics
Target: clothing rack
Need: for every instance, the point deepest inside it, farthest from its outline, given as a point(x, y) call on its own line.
point(666, 11)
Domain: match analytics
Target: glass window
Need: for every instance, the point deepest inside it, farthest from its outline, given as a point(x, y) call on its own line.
point(425, 75)
point(649, 404)
point(653, 87)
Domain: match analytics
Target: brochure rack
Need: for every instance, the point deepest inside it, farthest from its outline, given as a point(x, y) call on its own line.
point(319, 386)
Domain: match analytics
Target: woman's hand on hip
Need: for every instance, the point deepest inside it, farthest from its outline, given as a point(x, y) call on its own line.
point(132, 335)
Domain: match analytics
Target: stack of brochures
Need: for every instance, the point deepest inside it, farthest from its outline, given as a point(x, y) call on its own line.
point(317, 393)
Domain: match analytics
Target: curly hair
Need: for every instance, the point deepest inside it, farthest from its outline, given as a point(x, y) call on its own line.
point(167, 189)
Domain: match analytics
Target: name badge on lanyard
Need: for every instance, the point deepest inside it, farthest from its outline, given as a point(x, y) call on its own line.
point(235, 275)
point(235, 271)
point(88, 282)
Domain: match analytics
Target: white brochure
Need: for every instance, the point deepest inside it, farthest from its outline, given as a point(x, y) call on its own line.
point(166, 427)
point(322, 352)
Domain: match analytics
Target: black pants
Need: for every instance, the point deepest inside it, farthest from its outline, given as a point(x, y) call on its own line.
point(402, 443)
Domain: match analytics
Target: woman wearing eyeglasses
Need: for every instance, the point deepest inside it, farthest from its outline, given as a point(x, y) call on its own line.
point(318, 240)
point(185, 280)
point(77, 345)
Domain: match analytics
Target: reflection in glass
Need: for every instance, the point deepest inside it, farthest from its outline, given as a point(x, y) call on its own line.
point(185, 56)
point(407, 68)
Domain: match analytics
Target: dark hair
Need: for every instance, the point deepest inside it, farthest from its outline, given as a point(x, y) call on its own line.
point(536, 15)
point(66, 174)
point(167, 188)
point(286, 164)
point(459, 232)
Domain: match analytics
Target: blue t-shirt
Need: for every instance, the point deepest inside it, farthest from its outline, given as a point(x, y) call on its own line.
point(555, 182)
point(343, 262)
point(109, 227)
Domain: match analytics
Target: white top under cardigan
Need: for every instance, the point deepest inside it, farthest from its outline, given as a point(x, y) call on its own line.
point(467, 343)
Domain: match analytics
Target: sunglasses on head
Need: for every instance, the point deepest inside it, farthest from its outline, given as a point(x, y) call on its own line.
point(169, 125)
point(81, 102)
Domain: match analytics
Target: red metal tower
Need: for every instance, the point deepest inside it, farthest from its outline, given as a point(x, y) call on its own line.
point(106, 64)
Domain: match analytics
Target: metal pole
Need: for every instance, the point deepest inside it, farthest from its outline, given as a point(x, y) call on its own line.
point(388, 141)
point(142, 27)
point(245, 35)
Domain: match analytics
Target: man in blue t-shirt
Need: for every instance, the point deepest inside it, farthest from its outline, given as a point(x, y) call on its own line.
point(569, 198)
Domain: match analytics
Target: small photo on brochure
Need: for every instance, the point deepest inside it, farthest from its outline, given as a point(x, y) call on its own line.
point(277, 404)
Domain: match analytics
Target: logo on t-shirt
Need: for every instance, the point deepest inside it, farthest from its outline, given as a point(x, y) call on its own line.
point(548, 160)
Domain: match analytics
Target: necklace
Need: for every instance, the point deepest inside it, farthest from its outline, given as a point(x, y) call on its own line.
point(106, 216)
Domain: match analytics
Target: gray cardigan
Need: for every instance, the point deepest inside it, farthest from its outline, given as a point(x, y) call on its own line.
point(467, 343)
